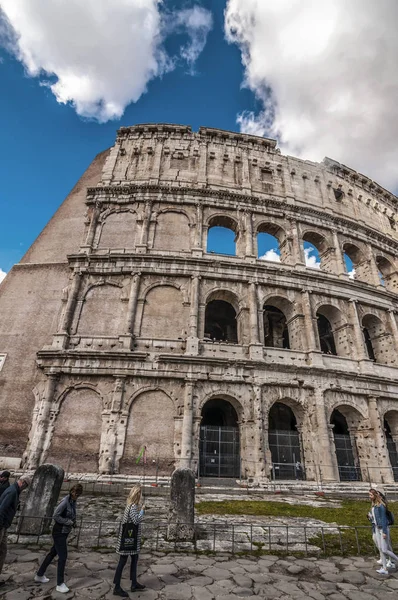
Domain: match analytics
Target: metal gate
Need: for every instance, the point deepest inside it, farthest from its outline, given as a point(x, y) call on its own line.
point(348, 471)
point(219, 452)
point(285, 453)
point(392, 453)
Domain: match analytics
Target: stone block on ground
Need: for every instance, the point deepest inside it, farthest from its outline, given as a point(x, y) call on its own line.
point(182, 505)
point(41, 500)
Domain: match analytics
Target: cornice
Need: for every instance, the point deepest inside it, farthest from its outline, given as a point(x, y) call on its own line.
point(233, 196)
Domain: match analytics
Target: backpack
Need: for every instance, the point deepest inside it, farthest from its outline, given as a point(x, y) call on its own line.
point(390, 517)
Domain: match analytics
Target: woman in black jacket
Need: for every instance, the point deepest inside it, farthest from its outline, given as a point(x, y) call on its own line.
point(65, 518)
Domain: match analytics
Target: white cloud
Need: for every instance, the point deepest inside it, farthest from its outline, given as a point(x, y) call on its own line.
point(325, 73)
point(2, 275)
point(311, 260)
point(351, 274)
point(100, 55)
point(271, 255)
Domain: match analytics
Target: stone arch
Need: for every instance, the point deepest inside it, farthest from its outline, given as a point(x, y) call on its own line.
point(238, 406)
point(219, 440)
point(165, 314)
point(285, 420)
point(333, 331)
point(102, 311)
point(387, 273)
point(277, 232)
point(77, 426)
point(390, 427)
point(173, 231)
point(118, 229)
point(150, 424)
point(346, 420)
point(378, 341)
point(358, 260)
point(281, 327)
point(324, 247)
point(225, 222)
point(222, 322)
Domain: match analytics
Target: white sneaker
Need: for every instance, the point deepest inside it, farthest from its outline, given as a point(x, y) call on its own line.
point(379, 562)
point(41, 579)
point(380, 571)
point(64, 588)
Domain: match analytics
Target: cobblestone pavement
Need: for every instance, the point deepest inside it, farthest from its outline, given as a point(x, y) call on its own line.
point(199, 577)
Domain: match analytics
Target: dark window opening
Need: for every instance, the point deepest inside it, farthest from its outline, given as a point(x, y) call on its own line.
point(220, 322)
point(326, 337)
point(338, 194)
point(284, 443)
point(348, 469)
point(368, 344)
point(282, 417)
point(219, 413)
point(276, 332)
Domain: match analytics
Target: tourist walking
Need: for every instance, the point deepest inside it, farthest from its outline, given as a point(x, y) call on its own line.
point(4, 481)
point(381, 529)
point(65, 519)
point(129, 541)
point(8, 507)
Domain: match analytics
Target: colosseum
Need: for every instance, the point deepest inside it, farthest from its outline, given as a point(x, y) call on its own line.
point(128, 329)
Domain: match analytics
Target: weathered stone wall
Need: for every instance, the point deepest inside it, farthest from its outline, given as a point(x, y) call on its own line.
point(131, 364)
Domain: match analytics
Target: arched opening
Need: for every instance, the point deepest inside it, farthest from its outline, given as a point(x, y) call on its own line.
point(387, 274)
point(391, 434)
point(326, 337)
point(377, 341)
point(276, 332)
point(346, 453)
point(222, 236)
point(220, 322)
point(316, 251)
point(219, 448)
point(354, 262)
point(284, 443)
point(271, 243)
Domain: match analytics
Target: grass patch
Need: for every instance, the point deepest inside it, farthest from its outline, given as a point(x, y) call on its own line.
point(350, 513)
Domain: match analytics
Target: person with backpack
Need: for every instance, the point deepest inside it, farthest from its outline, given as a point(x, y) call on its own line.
point(381, 517)
point(65, 518)
point(390, 564)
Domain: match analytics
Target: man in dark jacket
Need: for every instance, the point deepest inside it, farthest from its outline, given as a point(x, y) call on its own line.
point(4, 481)
point(8, 508)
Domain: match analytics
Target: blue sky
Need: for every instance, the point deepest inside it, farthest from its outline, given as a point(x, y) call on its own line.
point(178, 67)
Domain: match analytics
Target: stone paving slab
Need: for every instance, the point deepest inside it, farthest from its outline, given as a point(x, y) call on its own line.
point(189, 577)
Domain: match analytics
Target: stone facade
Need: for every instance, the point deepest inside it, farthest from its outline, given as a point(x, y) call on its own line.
point(105, 322)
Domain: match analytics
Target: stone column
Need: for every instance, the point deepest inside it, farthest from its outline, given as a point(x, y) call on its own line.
point(309, 323)
point(255, 348)
point(142, 246)
point(198, 249)
point(382, 471)
point(245, 172)
point(155, 174)
point(323, 444)
point(357, 330)
point(71, 302)
point(92, 227)
point(202, 171)
point(187, 426)
point(108, 462)
point(249, 234)
point(41, 500)
point(373, 270)
point(297, 245)
point(259, 446)
point(192, 347)
point(181, 519)
point(132, 310)
point(340, 266)
point(37, 444)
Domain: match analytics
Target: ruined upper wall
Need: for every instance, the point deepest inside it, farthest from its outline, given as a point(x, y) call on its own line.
point(216, 159)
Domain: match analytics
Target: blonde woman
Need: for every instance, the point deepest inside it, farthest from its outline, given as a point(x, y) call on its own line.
point(129, 541)
point(379, 517)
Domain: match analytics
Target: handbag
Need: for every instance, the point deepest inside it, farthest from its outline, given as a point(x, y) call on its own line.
point(129, 538)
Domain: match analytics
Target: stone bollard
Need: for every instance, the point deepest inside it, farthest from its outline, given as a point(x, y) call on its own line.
point(181, 524)
point(41, 499)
